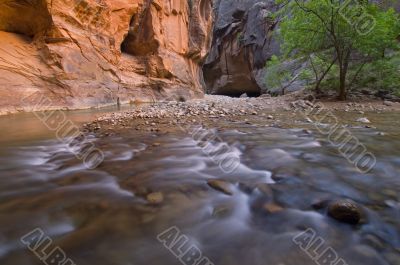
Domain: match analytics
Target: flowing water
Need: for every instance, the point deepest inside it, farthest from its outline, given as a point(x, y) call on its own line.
point(101, 216)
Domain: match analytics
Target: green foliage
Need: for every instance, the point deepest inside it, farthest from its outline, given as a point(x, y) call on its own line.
point(344, 32)
point(382, 74)
point(307, 75)
point(277, 75)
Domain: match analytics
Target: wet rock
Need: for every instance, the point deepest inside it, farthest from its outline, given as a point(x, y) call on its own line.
point(273, 208)
point(363, 120)
point(345, 211)
point(155, 198)
point(221, 185)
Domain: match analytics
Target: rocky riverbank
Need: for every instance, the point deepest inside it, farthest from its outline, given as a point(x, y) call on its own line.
point(212, 109)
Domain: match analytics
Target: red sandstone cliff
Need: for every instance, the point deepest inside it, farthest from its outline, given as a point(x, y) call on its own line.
point(84, 53)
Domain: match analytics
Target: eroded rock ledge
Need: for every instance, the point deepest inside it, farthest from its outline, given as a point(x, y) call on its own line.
point(85, 53)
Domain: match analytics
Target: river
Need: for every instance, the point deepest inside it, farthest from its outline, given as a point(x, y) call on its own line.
point(101, 216)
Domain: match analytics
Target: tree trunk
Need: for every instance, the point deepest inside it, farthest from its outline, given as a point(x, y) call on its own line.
point(317, 87)
point(342, 90)
point(344, 66)
point(342, 86)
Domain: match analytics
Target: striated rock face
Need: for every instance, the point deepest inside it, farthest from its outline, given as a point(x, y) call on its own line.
point(84, 53)
point(241, 46)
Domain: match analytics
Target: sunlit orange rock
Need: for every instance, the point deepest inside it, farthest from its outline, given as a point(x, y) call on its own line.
point(87, 53)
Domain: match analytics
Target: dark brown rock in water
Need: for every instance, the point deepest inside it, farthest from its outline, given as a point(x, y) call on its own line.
point(345, 211)
point(221, 185)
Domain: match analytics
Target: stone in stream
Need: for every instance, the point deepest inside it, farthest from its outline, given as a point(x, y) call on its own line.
point(273, 208)
point(345, 211)
point(363, 120)
point(221, 185)
point(155, 198)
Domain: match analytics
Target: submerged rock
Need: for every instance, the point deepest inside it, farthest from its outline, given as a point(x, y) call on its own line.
point(273, 208)
point(155, 198)
point(345, 211)
point(221, 185)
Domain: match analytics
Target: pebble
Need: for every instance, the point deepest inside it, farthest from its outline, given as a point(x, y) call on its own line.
point(221, 185)
point(155, 198)
point(273, 208)
point(345, 211)
point(363, 120)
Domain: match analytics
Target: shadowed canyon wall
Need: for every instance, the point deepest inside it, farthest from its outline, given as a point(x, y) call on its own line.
point(85, 53)
point(242, 44)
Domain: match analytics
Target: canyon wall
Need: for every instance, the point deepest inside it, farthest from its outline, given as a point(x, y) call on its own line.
point(243, 42)
point(87, 53)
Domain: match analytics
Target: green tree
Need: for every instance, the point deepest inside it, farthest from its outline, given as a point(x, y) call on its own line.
point(278, 77)
point(347, 34)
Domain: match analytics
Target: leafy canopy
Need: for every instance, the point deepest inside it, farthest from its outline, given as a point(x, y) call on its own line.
point(348, 33)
